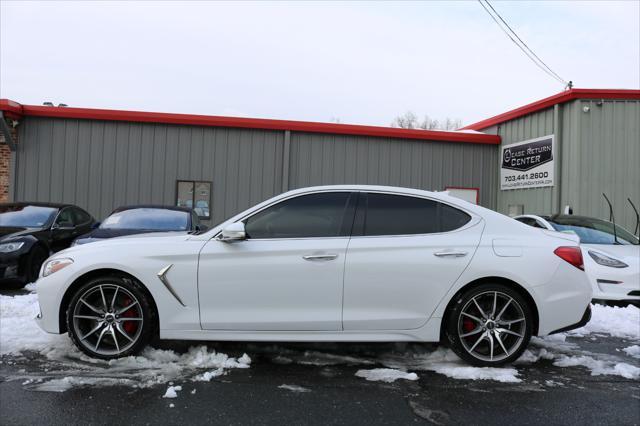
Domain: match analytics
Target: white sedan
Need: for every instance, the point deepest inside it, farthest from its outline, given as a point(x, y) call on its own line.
point(331, 263)
point(612, 259)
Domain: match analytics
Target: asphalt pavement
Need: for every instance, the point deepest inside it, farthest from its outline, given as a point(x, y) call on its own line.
point(324, 393)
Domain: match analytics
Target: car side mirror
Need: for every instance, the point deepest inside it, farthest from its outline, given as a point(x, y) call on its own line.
point(96, 225)
point(201, 228)
point(233, 232)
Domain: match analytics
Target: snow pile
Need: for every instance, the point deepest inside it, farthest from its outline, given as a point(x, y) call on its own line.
point(633, 351)
point(19, 331)
point(612, 320)
point(385, 375)
point(172, 392)
point(294, 388)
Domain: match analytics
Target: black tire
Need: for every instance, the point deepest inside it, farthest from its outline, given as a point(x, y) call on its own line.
point(476, 342)
point(38, 255)
point(129, 292)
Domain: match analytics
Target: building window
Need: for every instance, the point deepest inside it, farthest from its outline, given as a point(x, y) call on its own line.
point(195, 195)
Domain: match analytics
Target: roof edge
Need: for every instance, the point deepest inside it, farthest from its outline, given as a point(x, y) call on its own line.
point(558, 98)
point(15, 110)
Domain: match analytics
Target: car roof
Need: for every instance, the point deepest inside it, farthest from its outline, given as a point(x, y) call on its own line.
point(36, 204)
point(152, 206)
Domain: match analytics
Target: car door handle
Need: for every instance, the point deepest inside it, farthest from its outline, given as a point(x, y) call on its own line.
point(450, 253)
point(320, 257)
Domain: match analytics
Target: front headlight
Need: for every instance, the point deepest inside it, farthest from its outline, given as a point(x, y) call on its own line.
point(55, 265)
point(603, 260)
point(9, 247)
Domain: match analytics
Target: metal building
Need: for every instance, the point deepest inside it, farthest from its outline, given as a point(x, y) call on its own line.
point(101, 159)
point(596, 150)
point(563, 150)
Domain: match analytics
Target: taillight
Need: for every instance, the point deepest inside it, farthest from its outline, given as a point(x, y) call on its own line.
point(573, 255)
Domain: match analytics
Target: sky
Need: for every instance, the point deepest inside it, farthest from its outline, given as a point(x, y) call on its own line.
point(356, 62)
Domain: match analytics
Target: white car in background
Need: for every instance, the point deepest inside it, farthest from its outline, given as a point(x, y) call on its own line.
point(612, 260)
point(333, 263)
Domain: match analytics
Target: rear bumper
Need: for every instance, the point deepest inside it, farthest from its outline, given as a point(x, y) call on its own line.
point(583, 321)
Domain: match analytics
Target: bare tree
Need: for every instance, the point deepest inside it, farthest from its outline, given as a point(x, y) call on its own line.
point(409, 120)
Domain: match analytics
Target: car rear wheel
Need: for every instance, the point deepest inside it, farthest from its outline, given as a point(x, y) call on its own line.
point(111, 317)
point(489, 325)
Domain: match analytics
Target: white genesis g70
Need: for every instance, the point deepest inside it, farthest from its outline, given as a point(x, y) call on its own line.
point(333, 263)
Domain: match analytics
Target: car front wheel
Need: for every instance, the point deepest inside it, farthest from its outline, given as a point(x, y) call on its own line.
point(489, 325)
point(111, 317)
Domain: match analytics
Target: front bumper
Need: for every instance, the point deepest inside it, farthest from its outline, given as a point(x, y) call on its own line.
point(13, 268)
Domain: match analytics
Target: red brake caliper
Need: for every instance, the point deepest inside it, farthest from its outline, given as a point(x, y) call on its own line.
point(129, 326)
point(468, 325)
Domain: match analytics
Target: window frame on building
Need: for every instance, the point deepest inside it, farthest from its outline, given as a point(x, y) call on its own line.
point(194, 183)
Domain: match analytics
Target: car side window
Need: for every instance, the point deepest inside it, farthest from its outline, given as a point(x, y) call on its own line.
point(530, 221)
point(80, 217)
point(65, 218)
point(327, 214)
point(387, 214)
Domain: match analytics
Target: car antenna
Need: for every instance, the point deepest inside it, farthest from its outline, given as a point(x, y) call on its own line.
point(612, 219)
point(635, 231)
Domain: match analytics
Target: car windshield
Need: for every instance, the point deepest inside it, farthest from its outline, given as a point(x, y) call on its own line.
point(594, 231)
point(152, 219)
point(26, 216)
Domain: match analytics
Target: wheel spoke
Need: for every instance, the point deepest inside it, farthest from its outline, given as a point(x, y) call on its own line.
point(126, 308)
point(509, 322)
point(504, 308)
point(104, 330)
point(471, 333)
point(113, 300)
point(123, 332)
point(131, 319)
point(91, 317)
point(507, 331)
point(93, 308)
point(104, 300)
point(97, 327)
point(479, 308)
point(501, 344)
point(476, 319)
point(115, 339)
point(491, 346)
point(478, 341)
point(495, 303)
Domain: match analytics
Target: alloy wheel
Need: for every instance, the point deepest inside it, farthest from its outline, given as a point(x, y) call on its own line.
point(107, 319)
point(492, 326)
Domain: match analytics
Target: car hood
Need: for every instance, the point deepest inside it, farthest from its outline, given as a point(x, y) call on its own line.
point(101, 233)
point(627, 253)
point(8, 233)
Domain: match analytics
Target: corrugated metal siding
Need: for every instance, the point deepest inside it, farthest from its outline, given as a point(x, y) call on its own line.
point(602, 155)
point(101, 165)
point(599, 152)
point(335, 159)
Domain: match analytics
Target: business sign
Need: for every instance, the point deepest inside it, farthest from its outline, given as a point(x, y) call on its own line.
point(527, 164)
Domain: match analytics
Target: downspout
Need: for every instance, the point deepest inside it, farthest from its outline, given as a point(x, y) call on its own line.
point(557, 141)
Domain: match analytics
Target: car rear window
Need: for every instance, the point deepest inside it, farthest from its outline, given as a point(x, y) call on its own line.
point(388, 214)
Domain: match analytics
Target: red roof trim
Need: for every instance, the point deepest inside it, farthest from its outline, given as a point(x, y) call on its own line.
point(559, 98)
point(15, 110)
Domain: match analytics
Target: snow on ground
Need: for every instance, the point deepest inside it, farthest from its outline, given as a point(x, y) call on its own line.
point(172, 392)
point(615, 321)
point(67, 367)
point(294, 388)
point(385, 375)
